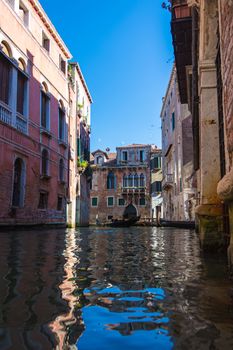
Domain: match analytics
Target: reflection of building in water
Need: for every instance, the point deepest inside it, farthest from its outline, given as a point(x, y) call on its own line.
point(31, 269)
point(65, 324)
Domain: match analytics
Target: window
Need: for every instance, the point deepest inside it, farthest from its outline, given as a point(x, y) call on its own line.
point(111, 181)
point(121, 202)
point(61, 113)
point(181, 187)
point(125, 181)
point(173, 121)
point(43, 200)
point(99, 160)
point(61, 170)
point(18, 184)
point(59, 203)
point(45, 107)
point(94, 201)
point(110, 201)
point(23, 13)
point(130, 180)
point(45, 42)
point(141, 156)
point(5, 72)
point(45, 163)
point(156, 163)
point(21, 88)
point(110, 217)
point(136, 180)
point(142, 201)
point(125, 156)
point(142, 180)
point(62, 65)
point(11, 3)
point(158, 187)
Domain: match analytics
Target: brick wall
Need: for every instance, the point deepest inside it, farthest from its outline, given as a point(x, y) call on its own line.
point(99, 189)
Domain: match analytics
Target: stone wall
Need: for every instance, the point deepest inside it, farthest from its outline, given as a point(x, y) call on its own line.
point(226, 29)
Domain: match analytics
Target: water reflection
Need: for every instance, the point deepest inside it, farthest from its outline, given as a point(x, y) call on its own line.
point(140, 288)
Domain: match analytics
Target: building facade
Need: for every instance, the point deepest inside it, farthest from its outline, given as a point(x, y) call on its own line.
point(39, 124)
point(178, 185)
point(79, 136)
point(156, 184)
point(121, 181)
point(203, 59)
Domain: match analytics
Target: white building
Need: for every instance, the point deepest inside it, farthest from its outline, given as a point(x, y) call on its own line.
point(178, 185)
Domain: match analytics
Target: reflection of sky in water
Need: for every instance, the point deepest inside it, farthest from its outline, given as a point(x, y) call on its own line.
point(124, 319)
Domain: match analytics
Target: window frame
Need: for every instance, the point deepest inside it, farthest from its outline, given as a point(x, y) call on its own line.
point(113, 201)
point(97, 202)
point(118, 202)
point(142, 205)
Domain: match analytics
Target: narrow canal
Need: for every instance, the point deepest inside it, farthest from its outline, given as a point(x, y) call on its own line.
point(112, 289)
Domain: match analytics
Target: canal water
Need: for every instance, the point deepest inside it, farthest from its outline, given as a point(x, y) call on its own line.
point(112, 289)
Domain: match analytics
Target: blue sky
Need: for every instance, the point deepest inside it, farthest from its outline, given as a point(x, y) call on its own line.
point(125, 51)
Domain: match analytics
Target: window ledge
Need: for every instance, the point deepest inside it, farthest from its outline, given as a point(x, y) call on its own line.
point(62, 143)
point(45, 132)
point(45, 177)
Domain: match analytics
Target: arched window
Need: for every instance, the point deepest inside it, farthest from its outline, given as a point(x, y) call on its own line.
point(5, 73)
point(142, 180)
point(18, 185)
point(99, 160)
point(21, 87)
point(61, 129)
point(130, 180)
point(61, 170)
point(136, 180)
point(45, 163)
point(45, 107)
point(110, 181)
point(125, 181)
point(6, 48)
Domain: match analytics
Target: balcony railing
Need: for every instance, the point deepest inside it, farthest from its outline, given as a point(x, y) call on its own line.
point(21, 123)
point(135, 190)
point(168, 181)
point(5, 114)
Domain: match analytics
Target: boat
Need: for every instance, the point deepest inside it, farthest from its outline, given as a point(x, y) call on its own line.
point(124, 222)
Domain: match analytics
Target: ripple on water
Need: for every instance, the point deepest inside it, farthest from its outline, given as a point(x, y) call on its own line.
point(114, 289)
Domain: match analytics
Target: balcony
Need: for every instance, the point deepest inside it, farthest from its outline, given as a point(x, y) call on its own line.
point(21, 123)
point(5, 114)
point(133, 190)
point(168, 181)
